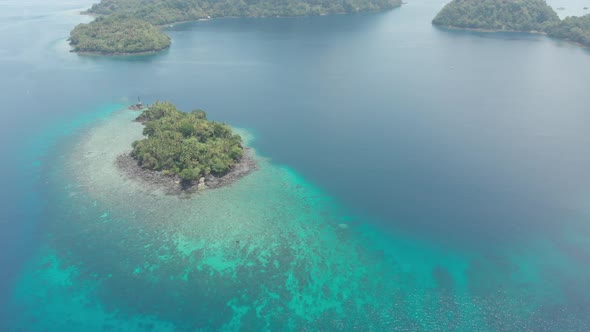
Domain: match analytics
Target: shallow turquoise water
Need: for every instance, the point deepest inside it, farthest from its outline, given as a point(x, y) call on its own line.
point(410, 179)
point(271, 252)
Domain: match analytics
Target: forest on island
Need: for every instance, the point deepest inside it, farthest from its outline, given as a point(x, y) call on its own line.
point(510, 15)
point(161, 12)
point(118, 34)
point(130, 26)
point(185, 144)
point(514, 15)
point(575, 29)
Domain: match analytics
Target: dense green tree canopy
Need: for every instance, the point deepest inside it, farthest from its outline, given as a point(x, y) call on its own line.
point(118, 34)
point(512, 15)
point(169, 11)
point(185, 144)
point(576, 29)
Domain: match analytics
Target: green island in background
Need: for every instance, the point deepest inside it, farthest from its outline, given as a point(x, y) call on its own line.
point(129, 27)
point(118, 35)
point(574, 29)
point(513, 15)
point(160, 12)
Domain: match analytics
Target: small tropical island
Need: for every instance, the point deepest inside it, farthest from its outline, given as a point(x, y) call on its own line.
point(531, 16)
point(118, 35)
point(497, 15)
point(131, 27)
point(185, 152)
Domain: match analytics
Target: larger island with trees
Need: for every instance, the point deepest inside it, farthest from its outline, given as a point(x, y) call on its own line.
point(497, 15)
point(160, 12)
point(513, 15)
point(132, 26)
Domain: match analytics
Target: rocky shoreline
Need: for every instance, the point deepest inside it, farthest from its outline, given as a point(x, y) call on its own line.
point(174, 186)
point(119, 54)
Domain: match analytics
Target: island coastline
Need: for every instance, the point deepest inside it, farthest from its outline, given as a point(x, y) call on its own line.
point(490, 31)
point(120, 54)
point(454, 28)
point(173, 185)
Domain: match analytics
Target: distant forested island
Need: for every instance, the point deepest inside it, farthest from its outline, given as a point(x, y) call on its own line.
point(574, 29)
point(160, 12)
point(497, 15)
point(129, 26)
point(118, 35)
point(186, 148)
point(513, 15)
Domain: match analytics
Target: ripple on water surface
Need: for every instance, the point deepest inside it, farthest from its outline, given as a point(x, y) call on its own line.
point(270, 252)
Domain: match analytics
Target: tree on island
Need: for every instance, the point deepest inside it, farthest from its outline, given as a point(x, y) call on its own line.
point(185, 144)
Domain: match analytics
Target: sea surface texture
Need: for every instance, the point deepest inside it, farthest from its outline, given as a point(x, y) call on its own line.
point(409, 178)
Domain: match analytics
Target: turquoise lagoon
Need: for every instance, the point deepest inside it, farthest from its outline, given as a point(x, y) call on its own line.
point(270, 252)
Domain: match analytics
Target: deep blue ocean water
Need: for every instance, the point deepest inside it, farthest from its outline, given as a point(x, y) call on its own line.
point(457, 161)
